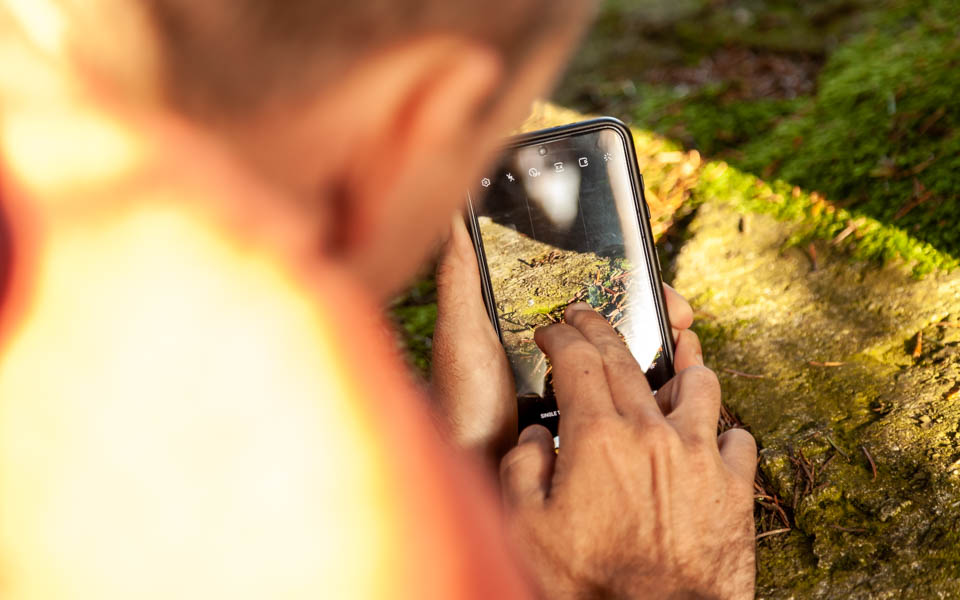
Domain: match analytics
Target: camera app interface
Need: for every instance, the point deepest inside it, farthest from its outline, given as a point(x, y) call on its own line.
point(559, 224)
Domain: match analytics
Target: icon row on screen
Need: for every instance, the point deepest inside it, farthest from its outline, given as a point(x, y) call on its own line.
point(534, 172)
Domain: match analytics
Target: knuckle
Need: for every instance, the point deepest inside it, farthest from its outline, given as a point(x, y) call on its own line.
point(615, 353)
point(618, 362)
point(704, 461)
point(661, 434)
point(702, 377)
point(690, 338)
point(602, 428)
point(518, 456)
point(699, 444)
point(747, 438)
point(544, 336)
point(702, 384)
point(582, 318)
point(541, 333)
point(743, 438)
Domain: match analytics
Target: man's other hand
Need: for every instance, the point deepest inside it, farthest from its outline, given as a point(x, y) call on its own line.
point(643, 499)
point(472, 382)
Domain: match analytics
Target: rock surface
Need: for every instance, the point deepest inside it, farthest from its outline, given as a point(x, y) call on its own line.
point(848, 374)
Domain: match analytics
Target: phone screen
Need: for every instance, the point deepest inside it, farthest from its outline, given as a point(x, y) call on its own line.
point(559, 221)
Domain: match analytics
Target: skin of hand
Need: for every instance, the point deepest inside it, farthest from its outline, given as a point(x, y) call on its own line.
point(643, 499)
point(472, 384)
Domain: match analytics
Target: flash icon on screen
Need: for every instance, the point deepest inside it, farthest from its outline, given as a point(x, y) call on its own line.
point(511, 178)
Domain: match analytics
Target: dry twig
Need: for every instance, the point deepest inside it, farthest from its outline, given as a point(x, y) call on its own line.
point(920, 195)
point(742, 374)
point(851, 229)
point(774, 532)
point(812, 251)
point(834, 445)
point(823, 467)
point(873, 465)
point(953, 394)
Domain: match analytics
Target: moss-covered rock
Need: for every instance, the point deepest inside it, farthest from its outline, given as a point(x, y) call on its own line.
point(876, 130)
point(883, 133)
point(859, 435)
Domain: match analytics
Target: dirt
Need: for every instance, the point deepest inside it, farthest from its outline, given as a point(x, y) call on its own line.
point(747, 74)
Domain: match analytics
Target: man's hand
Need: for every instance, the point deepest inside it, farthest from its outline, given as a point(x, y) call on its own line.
point(472, 382)
point(643, 499)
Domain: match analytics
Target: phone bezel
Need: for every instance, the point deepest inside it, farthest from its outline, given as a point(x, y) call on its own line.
point(642, 212)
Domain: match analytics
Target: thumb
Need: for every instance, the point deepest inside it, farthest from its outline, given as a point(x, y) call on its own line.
point(458, 276)
point(526, 471)
point(463, 339)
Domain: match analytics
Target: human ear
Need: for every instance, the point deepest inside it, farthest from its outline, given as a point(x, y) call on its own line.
point(427, 107)
point(421, 134)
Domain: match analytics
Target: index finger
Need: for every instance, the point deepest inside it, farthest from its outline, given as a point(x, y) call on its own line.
point(628, 383)
point(458, 279)
point(579, 380)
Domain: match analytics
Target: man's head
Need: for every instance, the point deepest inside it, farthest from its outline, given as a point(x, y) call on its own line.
point(373, 116)
point(380, 111)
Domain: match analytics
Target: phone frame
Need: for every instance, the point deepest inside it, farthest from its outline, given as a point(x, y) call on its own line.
point(642, 211)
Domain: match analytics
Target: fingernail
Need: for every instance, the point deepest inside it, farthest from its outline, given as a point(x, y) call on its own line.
point(579, 306)
point(700, 358)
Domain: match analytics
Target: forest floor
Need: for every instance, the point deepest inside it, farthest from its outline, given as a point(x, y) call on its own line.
point(803, 168)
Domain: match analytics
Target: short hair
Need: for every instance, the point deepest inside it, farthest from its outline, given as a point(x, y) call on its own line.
point(228, 56)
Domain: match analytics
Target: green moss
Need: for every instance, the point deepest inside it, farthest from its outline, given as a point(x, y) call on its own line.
point(417, 325)
point(707, 119)
point(854, 534)
point(710, 333)
point(880, 137)
point(548, 308)
point(883, 134)
point(786, 562)
point(415, 314)
point(869, 239)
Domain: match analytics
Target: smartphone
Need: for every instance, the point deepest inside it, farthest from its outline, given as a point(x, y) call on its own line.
point(563, 219)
